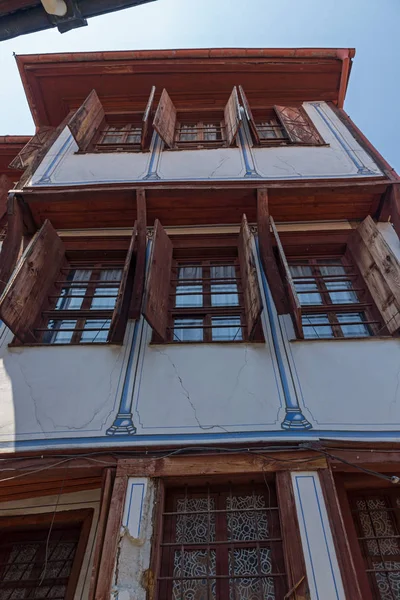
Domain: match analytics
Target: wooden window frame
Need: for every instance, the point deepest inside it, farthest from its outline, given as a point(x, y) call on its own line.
point(125, 129)
point(291, 546)
point(28, 522)
point(199, 121)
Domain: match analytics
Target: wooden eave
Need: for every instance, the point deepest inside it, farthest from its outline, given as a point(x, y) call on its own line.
point(199, 79)
point(182, 204)
point(10, 145)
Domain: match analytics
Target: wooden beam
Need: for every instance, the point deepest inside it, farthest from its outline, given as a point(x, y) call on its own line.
point(140, 268)
point(343, 552)
point(111, 538)
point(101, 529)
point(220, 464)
point(391, 207)
point(5, 186)
point(12, 245)
point(267, 255)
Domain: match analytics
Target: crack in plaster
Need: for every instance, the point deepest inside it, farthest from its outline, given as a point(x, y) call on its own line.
point(30, 388)
point(221, 162)
point(291, 167)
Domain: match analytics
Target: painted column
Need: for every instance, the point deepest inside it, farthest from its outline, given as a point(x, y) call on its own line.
point(323, 573)
point(133, 557)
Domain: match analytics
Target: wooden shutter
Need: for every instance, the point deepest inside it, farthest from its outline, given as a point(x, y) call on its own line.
point(12, 245)
point(155, 309)
point(22, 299)
point(248, 272)
point(380, 270)
point(298, 125)
point(165, 119)
point(119, 319)
point(232, 117)
point(249, 115)
point(146, 119)
point(5, 186)
point(87, 120)
point(292, 294)
point(267, 255)
point(36, 144)
point(140, 268)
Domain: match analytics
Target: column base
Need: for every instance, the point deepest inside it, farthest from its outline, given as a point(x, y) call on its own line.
point(123, 425)
point(294, 419)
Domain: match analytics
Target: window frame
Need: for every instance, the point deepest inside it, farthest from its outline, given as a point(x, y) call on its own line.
point(198, 120)
point(125, 129)
point(63, 519)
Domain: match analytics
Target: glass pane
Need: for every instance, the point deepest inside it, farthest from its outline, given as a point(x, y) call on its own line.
point(134, 136)
point(96, 331)
point(200, 564)
point(212, 132)
point(356, 330)
point(306, 287)
point(224, 294)
point(314, 326)
point(226, 329)
point(191, 294)
point(66, 300)
point(56, 335)
point(337, 269)
point(246, 525)
point(195, 528)
point(186, 330)
point(251, 561)
point(188, 133)
point(107, 275)
point(113, 135)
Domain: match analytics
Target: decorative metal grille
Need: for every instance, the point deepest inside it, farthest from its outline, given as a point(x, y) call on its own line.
point(222, 543)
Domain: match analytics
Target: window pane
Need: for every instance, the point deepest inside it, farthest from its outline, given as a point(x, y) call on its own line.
point(314, 326)
point(191, 294)
point(56, 335)
point(188, 133)
point(224, 294)
point(187, 330)
point(226, 329)
point(113, 135)
point(106, 275)
point(134, 136)
point(337, 269)
point(305, 287)
point(212, 132)
point(96, 331)
point(357, 330)
point(269, 130)
point(66, 300)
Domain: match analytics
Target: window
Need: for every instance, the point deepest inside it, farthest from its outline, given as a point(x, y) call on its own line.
point(222, 542)
point(83, 309)
point(206, 301)
point(269, 128)
point(202, 132)
point(330, 298)
point(119, 137)
point(36, 565)
point(376, 516)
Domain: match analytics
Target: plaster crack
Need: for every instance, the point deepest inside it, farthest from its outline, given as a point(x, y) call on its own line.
point(30, 388)
point(221, 162)
point(290, 168)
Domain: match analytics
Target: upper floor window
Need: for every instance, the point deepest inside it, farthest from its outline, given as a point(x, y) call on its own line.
point(199, 132)
point(269, 127)
point(120, 137)
point(332, 303)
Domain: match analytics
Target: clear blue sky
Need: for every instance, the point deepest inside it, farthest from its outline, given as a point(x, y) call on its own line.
point(371, 26)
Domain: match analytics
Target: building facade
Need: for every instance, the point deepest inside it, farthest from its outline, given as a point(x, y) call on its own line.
point(199, 352)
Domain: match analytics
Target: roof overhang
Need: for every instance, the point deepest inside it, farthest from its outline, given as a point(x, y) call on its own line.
point(10, 146)
point(55, 84)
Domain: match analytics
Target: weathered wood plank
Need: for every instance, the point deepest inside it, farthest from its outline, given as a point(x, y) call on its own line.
point(86, 121)
point(146, 119)
point(140, 269)
point(12, 245)
point(165, 119)
point(249, 115)
point(232, 117)
point(101, 529)
point(249, 280)
point(298, 125)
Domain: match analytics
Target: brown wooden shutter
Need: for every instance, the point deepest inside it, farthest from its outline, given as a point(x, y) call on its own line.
point(119, 319)
point(298, 125)
point(12, 245)
point(140, 268)
point(380, 270)
point(165, 119)
point(5, 186)
point(267, 255)
point(292, 294)
point(36, 144)
point(146, 119)
point(248, 272)
point(155, 309)
point(87, 120)
point(249, 115)
point(232, 117)
point(22, 299)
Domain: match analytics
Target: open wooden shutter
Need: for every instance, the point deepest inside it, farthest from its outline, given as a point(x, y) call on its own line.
point(119, 319)
point(86, 121)
point(36, 144)
point(292, 294)
point(298, 125)
point(5, 186)
point(155, 309)
point(232, 117)
point(140, 267)
point(380, 270)
point(267, 255)
point(22, 299)
point(248, 272)
point(146, 119)
point(249, 115)
point(165, 119)
point(12, 245)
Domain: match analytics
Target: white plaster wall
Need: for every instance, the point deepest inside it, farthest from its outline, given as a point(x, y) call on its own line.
point(341, 157)
point(391, 238)
point(47, 504)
